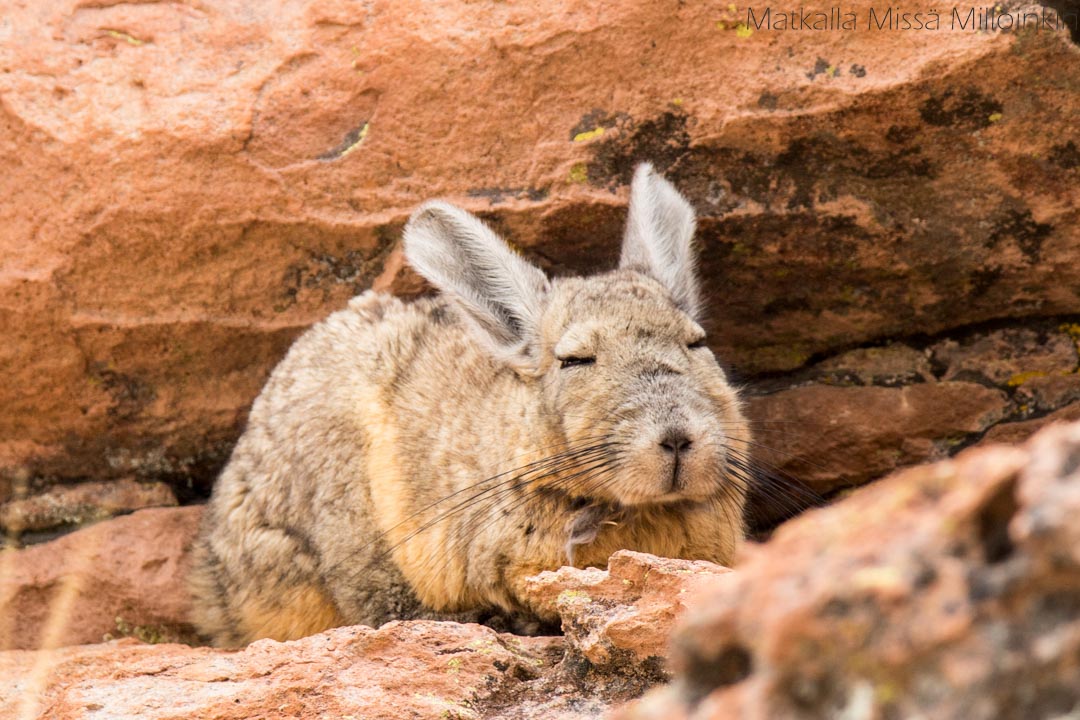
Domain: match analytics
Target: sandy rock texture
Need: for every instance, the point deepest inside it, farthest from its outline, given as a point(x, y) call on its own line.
point(622, 617)
point(403, 670)
point(120, 577)
point(617, 624)
point(187, 186)
point(945, 591)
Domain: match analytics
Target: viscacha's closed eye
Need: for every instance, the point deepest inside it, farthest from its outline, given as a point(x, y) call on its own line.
point(699, 343)
point(566, 362)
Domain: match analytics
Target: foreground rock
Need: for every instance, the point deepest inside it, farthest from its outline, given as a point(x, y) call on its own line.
point(188, 186)
point(417, 669)
point(124, 576)
point(620, 619)
point(946, 591)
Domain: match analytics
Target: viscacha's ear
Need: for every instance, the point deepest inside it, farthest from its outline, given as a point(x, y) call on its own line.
point(659, 236)
point(499, 294)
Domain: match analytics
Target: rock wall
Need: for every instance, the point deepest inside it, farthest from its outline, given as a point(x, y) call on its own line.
point(888, 219)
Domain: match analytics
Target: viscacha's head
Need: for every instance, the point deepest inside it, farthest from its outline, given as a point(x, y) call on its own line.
point(622, 367)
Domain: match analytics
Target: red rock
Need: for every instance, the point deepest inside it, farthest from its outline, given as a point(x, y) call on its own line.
point(1016, 432)
point(835, 437)
point(1047, 392)
point(402, 670)
point(83, 503)
point(946, 591)
point(1007, 357)
point(615, 617)
point(856, 416)
point(617, 624)
point(893, 365)
point(125, 575)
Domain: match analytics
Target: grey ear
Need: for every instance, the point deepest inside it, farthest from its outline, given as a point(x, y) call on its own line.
point(499, 294)
point(659, 232)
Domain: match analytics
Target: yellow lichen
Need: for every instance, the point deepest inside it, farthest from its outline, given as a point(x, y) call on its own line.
point(573, 596)
point(578, 173)
point(743, 30)
point(356, 143)
point(484, 646)
point(149, 634)
point(126, 37)
point(995, 117)
point(798, 358)
point(886, 693)
point(1021, 378)
point(589, 134)
point(1071, 329)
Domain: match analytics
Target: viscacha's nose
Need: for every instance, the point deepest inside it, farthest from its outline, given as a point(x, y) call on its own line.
point(675, 442)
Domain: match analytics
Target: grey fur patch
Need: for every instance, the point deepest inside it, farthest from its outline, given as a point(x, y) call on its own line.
point(583, 527)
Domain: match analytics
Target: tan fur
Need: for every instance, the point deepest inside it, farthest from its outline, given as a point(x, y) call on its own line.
point(301, 612)
point(402, 460)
